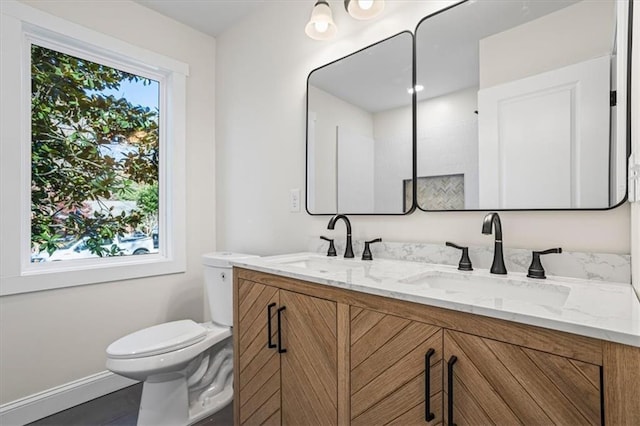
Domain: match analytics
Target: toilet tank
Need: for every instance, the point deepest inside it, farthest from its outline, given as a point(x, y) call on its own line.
point(218, 282)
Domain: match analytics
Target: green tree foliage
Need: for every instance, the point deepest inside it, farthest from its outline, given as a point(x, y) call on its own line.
point(148, 199)
point(71, 120)
point(148, 202)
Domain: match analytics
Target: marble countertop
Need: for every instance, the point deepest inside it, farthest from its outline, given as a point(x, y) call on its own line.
point(603, 310)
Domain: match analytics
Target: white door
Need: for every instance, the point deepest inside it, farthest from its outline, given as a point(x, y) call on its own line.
point(544, 140)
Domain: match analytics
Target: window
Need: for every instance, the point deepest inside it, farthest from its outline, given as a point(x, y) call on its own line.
point(92, 156)
point(94, 159)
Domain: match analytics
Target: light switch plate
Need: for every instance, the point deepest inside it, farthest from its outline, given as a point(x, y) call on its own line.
point(294, 200)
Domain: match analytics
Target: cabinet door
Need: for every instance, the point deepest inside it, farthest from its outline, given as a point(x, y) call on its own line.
point(388, 382)
point(259, 365)
point(501, 383)
point(309, 370)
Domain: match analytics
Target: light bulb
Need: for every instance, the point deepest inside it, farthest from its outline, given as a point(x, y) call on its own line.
point(364, 9)
point(365, 4)
point(419, 88)
point(321, 26)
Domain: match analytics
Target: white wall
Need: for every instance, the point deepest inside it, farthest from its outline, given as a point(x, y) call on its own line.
point(52, 337)
point(571, 35)
point(447, 143)
point(261, 70)
point(447, 139)
point(393, 158)
point(355, 171)
point(331, 112)
point(386, 163)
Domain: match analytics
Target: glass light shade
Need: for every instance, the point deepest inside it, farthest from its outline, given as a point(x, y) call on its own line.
point(364, 9)
point(321, 25)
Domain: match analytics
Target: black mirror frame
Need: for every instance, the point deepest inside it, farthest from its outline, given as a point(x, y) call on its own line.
point(629, 15)
point(413, 206)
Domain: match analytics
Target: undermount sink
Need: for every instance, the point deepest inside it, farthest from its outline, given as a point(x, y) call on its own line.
point(506, 288)
point(478, 285)
point(317, 263)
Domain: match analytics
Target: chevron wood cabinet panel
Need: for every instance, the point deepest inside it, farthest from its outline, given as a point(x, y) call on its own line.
point(396, 370)
point(309, 367)
point(492, 382)
point(344, 357)
point(257, 371)
point(286, 357)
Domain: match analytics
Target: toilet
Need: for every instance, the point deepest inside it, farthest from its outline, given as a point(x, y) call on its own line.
point(186, 367)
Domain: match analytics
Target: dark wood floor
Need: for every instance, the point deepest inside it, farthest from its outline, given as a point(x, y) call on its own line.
point(119, 409)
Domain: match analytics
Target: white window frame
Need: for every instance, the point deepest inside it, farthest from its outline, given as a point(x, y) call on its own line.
point(20, 26)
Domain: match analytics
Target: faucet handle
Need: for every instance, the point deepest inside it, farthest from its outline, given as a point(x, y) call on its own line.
point(366, 254)
point(332, 248)
point(535, 269)
point(465, 262)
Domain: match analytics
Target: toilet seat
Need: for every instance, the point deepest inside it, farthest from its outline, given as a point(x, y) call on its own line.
point(157, 340)
point(141, 367)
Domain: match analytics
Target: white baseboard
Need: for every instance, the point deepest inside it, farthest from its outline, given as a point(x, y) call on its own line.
point(51, 401)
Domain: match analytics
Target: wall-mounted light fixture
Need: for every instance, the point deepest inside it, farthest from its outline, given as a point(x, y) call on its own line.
point(321, 25)
point(364, 9)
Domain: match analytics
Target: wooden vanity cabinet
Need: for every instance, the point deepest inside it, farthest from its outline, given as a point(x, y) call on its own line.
point(287, 357)
point(355, 358)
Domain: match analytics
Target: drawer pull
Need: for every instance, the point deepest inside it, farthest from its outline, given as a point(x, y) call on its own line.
point(450, 363)
point(428, 415)
point(270, 345)
point(281, 350)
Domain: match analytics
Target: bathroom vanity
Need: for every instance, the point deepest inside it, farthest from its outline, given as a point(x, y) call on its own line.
point(322, 340)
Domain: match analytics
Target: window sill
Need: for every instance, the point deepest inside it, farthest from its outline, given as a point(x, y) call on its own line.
point(40, 277)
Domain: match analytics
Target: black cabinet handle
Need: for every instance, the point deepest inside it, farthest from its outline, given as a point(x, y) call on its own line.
point(281, 350)
point(269, 344)
point(450, 363)
point(428, 415)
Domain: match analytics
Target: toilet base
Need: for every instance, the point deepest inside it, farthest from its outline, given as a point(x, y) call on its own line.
point(192, 394)
point(164, 403)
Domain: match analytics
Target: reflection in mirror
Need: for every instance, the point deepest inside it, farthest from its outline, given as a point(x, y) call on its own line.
point(359, 131)
point(516, 111)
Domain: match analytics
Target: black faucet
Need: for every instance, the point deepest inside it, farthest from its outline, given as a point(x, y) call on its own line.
point(348, 252)
point(492, 220)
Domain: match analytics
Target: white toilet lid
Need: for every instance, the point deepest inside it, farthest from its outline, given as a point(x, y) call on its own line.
point(157, 340)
